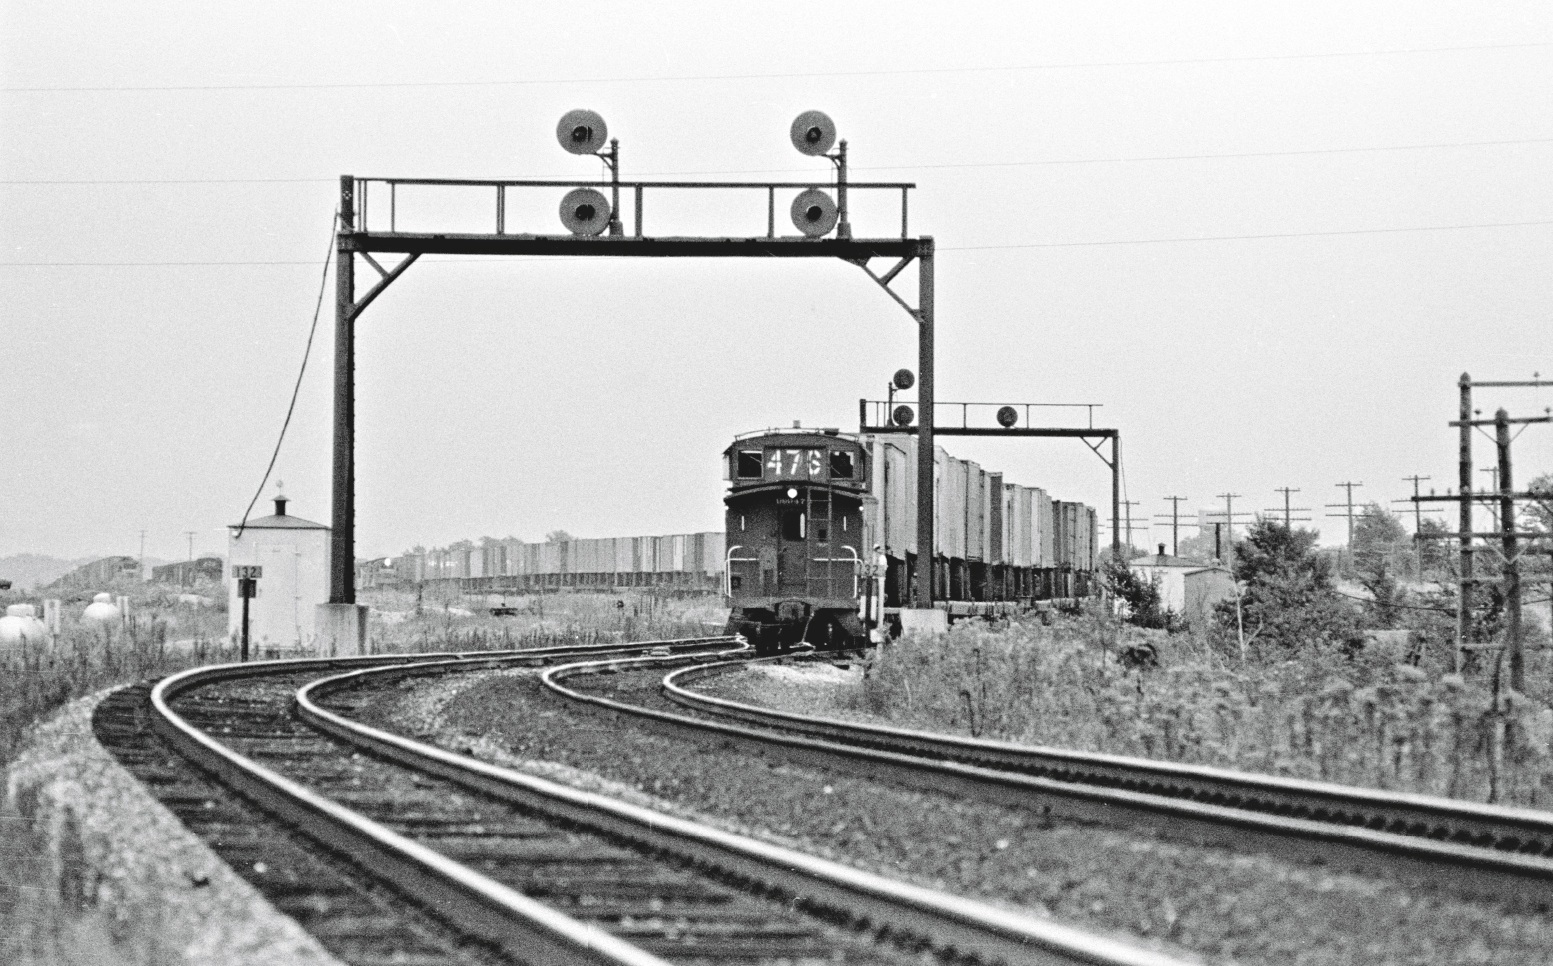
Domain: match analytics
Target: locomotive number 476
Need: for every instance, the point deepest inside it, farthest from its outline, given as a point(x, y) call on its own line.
point(795, 464)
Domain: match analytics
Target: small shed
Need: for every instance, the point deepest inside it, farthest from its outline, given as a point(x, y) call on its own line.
point(1188, 587)
point(294, 556)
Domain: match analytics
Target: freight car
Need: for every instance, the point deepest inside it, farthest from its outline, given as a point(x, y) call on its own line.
point(680, 561)
point(821, 541)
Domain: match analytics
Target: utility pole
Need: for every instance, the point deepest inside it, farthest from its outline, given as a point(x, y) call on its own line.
point(1511, 557)
point(1505, 524)
point(1229, 525)
point(1175, 523)
point(1127, 509)
point(142, 561)
point(188, 576)
point(1348, 512)
point(1289, 519)
point(1418, 507)
point(1493, 487)
point(1418, 519)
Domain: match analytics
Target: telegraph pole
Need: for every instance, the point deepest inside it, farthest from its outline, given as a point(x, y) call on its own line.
point(1464, 467)
point(1229, 512)
point(1175, 523)
point(1418, 507)
point(1127, 509)
point(188, 576)
point(1504, 525)
point(1493, 487)
point(1348, 507)
point(1511, 557)
point(1288, 511)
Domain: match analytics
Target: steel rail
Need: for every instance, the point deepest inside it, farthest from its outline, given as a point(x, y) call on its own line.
point(1516, 830)
point(951, 923)
point(472, 902)
point(1506, 876)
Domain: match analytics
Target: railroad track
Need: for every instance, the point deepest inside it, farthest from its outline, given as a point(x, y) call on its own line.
point(520, 868)
point(1502, 853)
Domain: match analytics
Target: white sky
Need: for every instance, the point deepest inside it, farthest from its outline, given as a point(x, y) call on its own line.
point(512, 397)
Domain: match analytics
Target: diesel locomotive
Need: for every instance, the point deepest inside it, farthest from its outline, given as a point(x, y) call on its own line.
point(821, 538)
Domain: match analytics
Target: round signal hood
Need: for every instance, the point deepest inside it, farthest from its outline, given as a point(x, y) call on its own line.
point(1007, 417)
point(813, 132)
point(904, 379)
point(903, 415)
point(585, 211)
point(814, 213)
point(582, 132)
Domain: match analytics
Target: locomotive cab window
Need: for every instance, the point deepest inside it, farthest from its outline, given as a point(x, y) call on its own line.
point(793, 525)
point(749, 464)
point(840, 465)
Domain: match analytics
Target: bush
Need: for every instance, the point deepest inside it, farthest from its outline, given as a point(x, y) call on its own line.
point(1322, 712)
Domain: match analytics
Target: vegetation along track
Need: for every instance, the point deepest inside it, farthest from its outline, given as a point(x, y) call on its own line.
point(1502, 853)
point(520, 868)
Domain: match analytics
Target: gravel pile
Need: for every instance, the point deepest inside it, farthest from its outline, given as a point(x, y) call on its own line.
point(1216, 903)
point(112, 849)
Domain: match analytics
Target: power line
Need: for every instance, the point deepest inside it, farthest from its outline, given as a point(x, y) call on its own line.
point(1217, 238)
point(873, 167)
point(683, 78)
point(297, 389)
point(946, 248)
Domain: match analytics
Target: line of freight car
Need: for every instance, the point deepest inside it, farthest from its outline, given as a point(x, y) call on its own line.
point(691, 554)
point(822, 537)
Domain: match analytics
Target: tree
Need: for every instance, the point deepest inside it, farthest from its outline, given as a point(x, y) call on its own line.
point(557, 536)
point(1380, 551)
point(1201, 546)
point(1539, 513)
point(1290, 598)
point(1433, 553)
point(1380, 542)
point(1128, 552)
point(1145, 606)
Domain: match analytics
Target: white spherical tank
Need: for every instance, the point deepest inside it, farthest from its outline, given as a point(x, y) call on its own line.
point(20, 624)
point(101, 609)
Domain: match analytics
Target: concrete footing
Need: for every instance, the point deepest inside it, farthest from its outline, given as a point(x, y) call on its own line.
point(928, 620)
point(341, 630)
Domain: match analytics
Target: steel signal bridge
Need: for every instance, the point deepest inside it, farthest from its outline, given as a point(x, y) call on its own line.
point(371, 225)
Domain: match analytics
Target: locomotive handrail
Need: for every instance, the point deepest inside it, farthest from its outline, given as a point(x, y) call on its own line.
point(729, 558)
point(854, 560)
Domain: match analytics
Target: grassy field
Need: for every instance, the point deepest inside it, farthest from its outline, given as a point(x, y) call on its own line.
point(441, 620)
point(1368, 718)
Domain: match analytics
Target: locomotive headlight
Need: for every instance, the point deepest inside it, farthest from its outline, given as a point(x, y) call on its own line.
point(792, 493)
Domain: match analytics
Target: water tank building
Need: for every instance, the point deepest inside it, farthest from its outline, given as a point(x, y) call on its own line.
point(293, 557)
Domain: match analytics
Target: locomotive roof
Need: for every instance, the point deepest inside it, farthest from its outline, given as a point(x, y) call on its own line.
point(828, 431)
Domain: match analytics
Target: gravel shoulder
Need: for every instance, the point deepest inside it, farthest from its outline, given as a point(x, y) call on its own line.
point(1212, 902)
point(102, 872)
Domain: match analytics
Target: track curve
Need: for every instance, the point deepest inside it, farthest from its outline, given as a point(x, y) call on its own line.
point(1481, 850)
point(490, 851)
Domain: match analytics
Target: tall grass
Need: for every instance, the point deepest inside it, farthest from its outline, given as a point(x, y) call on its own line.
point(437, 620)
point(36, 679)
point(1368, 718)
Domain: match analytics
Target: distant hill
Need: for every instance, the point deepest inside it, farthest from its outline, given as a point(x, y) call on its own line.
point(29, 570)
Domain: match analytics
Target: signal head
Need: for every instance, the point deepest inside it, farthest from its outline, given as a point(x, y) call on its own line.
point(813, 133)
point(1007, 417)
point(903, 415)
point(814, 213)
point(904, 379)
point(585, 212)
point(582, 132)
